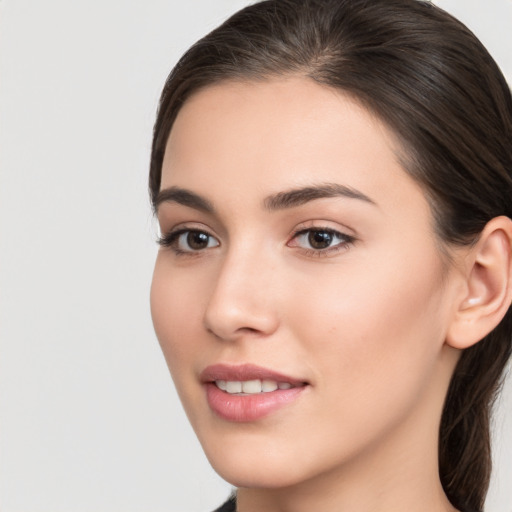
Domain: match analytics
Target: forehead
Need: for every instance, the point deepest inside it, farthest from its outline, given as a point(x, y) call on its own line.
point(262, 137)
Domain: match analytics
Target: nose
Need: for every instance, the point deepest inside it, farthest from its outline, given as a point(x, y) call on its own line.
point(244, 299)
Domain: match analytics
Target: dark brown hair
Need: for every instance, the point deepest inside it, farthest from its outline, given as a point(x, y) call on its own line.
point(434, 84)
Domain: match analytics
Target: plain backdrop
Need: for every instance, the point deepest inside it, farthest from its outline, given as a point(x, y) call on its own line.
point(89, 420)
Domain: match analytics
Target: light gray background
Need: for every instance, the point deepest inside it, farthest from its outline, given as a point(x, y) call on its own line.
point(88, 417)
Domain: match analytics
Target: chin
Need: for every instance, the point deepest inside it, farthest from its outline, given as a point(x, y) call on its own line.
point(248, 475)
point(270, 462)
point(252, 466)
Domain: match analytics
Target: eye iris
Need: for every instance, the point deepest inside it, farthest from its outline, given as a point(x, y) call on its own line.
point(197, 240)
point(320, 239)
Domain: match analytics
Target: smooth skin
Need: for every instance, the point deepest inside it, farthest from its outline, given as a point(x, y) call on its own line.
point(373, 318)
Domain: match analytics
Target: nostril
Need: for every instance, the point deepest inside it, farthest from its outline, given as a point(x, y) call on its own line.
point(248, 330)
point(236, 333)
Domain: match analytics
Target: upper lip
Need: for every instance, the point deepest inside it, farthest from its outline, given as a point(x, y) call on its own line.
point(244, 372)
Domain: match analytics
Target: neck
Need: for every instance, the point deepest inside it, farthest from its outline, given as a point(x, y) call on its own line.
point(362, 486)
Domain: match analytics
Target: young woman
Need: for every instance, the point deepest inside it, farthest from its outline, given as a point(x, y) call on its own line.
point(333, 183)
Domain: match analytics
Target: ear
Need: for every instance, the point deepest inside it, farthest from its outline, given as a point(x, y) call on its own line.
point(488, 285)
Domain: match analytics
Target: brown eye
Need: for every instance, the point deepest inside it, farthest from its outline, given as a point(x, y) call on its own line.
point(189, 241)
point(197, 240)
point(320, 239)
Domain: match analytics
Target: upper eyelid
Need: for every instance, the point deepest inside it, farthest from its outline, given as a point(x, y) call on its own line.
point(185, 226)
point(336, 232)
point(319, 228)
point(326, 225)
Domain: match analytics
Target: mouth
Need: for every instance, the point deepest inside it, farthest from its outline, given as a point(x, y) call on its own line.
point(245, 393)
point(251, 387)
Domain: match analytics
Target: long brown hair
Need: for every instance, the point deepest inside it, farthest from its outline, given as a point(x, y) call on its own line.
point(430, 79)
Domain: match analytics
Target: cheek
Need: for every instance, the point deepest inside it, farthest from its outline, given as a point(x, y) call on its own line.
point(176, 314)
point(375, 336)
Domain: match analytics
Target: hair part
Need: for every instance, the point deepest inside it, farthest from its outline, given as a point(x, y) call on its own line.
point(426, 76)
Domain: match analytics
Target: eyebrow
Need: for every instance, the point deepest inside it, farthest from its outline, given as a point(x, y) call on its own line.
point(184, 197)
point(280, 201)
point(300, 196)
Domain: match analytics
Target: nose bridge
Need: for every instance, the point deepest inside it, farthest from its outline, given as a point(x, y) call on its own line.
point(242, 300)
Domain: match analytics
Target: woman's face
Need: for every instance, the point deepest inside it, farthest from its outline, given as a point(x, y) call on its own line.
point(298, 255)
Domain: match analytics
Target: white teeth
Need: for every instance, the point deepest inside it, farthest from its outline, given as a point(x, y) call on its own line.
point(233, 386)
point(251, 387)
point(268, 385)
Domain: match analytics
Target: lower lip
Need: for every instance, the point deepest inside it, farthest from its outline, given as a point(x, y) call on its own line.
point(245, 408)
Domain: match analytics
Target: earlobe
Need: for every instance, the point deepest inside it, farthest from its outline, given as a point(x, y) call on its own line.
point(488, 290)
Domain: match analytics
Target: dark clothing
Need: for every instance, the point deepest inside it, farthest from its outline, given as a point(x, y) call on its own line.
point(230, 506)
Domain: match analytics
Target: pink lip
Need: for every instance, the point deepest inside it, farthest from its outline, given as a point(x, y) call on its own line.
point(244, 372)
point(246, 408)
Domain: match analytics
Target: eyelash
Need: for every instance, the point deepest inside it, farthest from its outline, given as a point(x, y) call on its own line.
point(345, 241)
point(171, 240)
